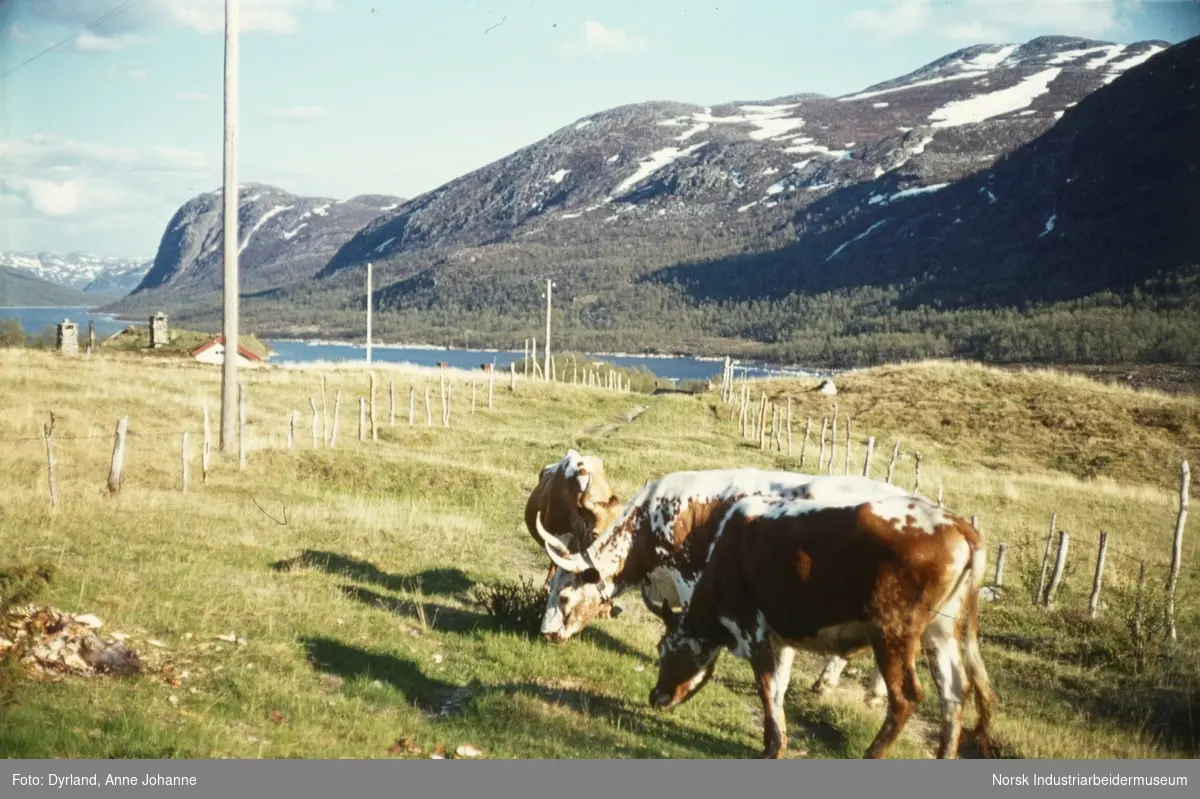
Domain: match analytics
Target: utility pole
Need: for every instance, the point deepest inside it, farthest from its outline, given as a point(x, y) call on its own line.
point(546, 368)
point(229, 225)
point(369, 268)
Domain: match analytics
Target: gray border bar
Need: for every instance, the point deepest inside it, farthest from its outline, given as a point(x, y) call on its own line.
point(604, 779)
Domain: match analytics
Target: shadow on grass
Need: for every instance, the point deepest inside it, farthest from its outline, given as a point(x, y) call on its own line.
point(437, 697)
point(437, 617)
point(441, 582)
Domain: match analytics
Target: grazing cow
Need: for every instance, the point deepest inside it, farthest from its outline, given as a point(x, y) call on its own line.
point(573, 499)
point(659, 543)
point(896, 576)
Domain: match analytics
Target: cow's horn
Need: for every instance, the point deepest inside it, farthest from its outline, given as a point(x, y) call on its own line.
point(559, 554)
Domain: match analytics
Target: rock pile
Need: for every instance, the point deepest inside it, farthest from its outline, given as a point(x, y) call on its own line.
point(53, 645)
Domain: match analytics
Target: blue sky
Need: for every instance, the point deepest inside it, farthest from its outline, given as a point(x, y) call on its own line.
point(103, 138)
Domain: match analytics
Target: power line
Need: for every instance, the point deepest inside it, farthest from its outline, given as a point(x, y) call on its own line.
point(100, 20)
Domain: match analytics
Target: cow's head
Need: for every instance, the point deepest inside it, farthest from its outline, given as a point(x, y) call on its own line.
point(685, 663)
point(573, 499)
point(578, 589)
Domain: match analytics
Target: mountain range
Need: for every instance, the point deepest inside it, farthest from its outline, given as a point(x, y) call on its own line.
point(106, 277)
point(998, 176)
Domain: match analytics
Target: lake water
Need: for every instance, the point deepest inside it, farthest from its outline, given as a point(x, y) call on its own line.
point(34, 320)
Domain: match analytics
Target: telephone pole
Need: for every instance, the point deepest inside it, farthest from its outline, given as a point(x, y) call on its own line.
point(369, 268)
point(546, 369)
point(229, 225)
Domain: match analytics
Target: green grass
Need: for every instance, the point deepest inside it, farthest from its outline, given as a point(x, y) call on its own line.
point(357, 576)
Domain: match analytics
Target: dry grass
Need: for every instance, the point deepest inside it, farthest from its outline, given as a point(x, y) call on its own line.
point(353, 574)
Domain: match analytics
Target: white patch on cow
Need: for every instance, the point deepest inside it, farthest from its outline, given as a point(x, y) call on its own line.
point(837, 640)
point(744, 640)
point(911, 512)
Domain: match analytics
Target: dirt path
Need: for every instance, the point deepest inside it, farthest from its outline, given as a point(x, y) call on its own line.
point(611, 428)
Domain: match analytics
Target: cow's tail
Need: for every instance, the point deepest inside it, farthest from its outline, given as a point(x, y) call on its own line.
point(978, 683)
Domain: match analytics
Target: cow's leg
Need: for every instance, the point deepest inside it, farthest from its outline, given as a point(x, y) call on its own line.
point(784, 655)
point(763, 660)
point(877, 693)
point(895, 655)
point(830, 675)
point(945, 665)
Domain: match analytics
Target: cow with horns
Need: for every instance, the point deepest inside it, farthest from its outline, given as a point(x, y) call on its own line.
point(659, 543)
point(895, 576)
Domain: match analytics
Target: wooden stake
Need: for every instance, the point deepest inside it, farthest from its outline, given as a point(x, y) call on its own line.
point(445, 409)
point(325, 433)
point(1185, 481)
point(804, 444)
point(1001, 552)
point(870, 453)
point(917, 478)
point(183, 456)
point(374, 431)
point(291, 439)
point(821, 452)
point(48, 432)
point(118, 457)
point(892, 462)
point(206, 452)
point(512, 377)
point(847, 446)
point(1060, 563)
point(337, 407)
point(1040, 593)
point(241, 425)
point(832, 441)
point(789, 422)
point(1094, 600)
point(762, 422)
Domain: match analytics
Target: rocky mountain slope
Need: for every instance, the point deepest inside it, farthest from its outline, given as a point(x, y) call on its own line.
point(974, 180)
point(99, 274)
point(284, 238)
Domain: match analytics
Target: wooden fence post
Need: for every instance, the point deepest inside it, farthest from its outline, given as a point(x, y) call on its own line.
point(374, 432)
point(1185, 481)
point(832, 441)
point(492, 375)
point(917, 478)
point(940, 505)
point(1094, 600)
point(762, 422)
point(48, 432)
point(1041, 586)
point(804, 443)
point(733, 404)
point(892, 462)
point(325, 433)
point(821, 452)
point(362, 418)
point(789, 425)
point(412, 403)
point(312, 403)
point(847, 446)
point(337, 407)
point(207, 451)
point(118, 457)
point(241, 425)
point(512, 377)
point(870, 454)
point(291, 438)
point(391, 403)
point(1001, 552)
point(428, 409)
point(1060, 562)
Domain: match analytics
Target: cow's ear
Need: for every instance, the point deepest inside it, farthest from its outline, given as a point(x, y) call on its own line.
point(590, 575)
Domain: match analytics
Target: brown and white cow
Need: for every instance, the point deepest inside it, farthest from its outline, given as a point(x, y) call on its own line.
point(573, 499)
point(659, 543)
point(896, 576)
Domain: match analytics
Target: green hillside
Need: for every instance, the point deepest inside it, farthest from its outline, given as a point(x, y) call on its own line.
point(22, 290)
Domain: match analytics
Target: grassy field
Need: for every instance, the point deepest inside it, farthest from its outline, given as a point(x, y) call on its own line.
point(353, 573)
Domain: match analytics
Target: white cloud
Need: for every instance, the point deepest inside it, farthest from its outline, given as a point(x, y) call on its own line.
point(980, 21)
point(15, 32)
point(298, 112)
point(202, 16)
point(88, 42)
point(50, 180)
point(599, 40)
point(899, 18)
